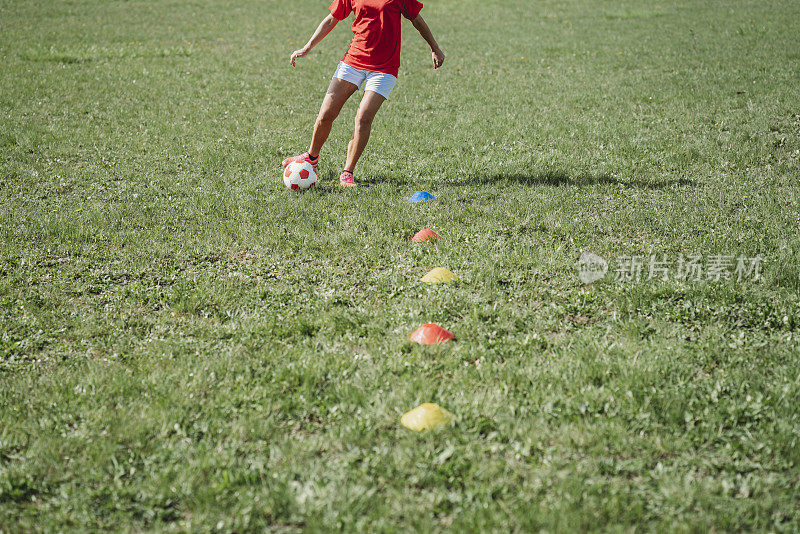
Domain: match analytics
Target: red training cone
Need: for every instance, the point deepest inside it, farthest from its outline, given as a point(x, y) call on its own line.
point(431, 334)
point(424, 235)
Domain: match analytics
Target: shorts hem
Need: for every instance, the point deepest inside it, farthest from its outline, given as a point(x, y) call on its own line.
point(378, 82)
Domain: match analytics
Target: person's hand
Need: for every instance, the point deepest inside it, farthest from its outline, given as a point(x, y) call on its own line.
point(438, 58)
point(297, 54)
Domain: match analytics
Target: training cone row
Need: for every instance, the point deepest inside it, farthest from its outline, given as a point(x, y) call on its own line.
point(429, 415)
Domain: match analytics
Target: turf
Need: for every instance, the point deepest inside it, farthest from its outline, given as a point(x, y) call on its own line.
point(186, 345)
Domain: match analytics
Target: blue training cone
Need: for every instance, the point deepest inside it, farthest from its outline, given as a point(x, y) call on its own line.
point(421, 196)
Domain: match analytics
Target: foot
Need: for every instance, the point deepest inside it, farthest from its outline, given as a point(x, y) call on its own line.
point(301, 158)
point(347, 179)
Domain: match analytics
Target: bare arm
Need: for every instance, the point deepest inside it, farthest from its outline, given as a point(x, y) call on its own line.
point(436, 52)
point(324, 28)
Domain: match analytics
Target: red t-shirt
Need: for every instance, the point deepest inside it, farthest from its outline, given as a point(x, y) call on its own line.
point(376, 40)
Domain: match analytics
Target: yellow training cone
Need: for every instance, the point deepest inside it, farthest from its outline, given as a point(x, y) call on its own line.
point(438, 275)
point(425, 416)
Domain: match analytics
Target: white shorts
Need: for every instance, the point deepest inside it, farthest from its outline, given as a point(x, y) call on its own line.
point(380, 82)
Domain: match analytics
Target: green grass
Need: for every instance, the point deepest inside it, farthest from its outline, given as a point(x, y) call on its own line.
point(186, 345)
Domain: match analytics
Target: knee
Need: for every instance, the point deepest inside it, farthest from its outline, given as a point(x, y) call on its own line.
point(364, 121)
point(327, 116)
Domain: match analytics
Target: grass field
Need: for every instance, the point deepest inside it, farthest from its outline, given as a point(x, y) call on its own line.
point(186, 345)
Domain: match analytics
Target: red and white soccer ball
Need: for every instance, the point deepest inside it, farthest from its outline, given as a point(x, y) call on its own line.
point(299, 176)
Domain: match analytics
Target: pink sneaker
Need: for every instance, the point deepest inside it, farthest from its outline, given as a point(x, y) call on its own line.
point(301, 158)
point(347, 179)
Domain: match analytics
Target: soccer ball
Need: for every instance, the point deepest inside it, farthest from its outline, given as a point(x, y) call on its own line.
point(299, 176)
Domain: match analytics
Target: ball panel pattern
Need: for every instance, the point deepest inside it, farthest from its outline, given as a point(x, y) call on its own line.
point(299, 176)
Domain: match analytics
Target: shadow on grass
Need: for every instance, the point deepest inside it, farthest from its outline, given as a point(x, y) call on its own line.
point(547, 178)
point(559, 178)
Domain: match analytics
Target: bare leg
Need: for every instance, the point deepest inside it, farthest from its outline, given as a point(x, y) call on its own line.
point(338, 93)
point(369, 106)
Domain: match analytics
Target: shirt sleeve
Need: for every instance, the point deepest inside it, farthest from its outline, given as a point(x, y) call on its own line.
point(411, 9)
point(340, 9)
